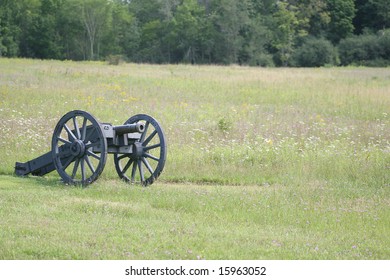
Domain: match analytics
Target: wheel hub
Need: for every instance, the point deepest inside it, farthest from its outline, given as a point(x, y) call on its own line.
point(77, 148)
point(138, 150)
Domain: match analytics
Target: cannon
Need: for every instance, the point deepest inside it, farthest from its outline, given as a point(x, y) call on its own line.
point(80, 144)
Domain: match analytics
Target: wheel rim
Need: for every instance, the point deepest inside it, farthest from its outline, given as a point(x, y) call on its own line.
point(79, 148)
point(147, 160)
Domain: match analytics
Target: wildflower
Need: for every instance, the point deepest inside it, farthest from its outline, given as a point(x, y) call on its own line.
point(269, 142)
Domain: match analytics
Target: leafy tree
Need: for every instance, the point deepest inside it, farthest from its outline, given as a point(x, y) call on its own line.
point(24, 14)
point(146, 10)
point(286, 29)
point(366, 49)
point(71, 31)
point(314, 16)
point(9, 30)
point(315, 52)
point(154, 17)
point(341, 13)
point(230, 18)
point(44, 39)
point(150, 44)
point(382, 8)
point(122, 34)
point(94, 14)
point(365, 18)
point(371, 15)
point(254, 32)
point(257, 36)
point(188, 28)
point(384, 44)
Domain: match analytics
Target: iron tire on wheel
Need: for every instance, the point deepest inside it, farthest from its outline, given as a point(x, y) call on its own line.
point(79, 148)
point(147, 160)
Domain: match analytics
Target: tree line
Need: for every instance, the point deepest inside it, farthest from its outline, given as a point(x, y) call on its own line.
point(303, 33)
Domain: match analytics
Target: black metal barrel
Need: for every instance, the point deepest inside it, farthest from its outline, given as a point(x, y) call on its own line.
point(129, 128)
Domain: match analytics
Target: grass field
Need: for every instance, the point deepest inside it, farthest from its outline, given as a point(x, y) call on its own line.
point(262, 163)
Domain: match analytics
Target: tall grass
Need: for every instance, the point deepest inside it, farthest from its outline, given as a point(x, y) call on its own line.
point(229, 125)
point(273, 163)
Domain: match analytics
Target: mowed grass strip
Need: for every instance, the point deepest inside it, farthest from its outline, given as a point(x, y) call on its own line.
point(43, 219)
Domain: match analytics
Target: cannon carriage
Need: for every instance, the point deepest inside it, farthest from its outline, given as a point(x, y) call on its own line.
point(80, 145)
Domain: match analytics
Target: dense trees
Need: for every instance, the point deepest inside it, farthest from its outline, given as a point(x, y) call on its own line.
point(250, 32)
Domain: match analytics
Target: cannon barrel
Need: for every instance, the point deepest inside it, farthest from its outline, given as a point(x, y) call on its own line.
point(129, 128)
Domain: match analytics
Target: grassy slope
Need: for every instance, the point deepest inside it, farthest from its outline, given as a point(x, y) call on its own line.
point(296, 163)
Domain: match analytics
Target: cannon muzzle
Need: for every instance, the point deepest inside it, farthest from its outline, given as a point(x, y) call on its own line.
point(129, 128)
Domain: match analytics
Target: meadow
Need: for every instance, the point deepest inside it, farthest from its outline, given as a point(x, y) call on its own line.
point(278, 163)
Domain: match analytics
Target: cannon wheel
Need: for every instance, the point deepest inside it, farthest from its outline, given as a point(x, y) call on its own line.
point(148, 157)
point(76, 138)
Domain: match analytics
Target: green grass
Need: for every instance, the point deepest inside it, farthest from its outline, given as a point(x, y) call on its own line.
point(262, 163)
point(43, 219)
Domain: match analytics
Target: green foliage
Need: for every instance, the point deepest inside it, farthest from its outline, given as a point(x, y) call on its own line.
point(224, 124)
point(315, 52)
point(188, 20)
point(342, 13)
point(382, 9)
point(8, 32)
point(287, 25)
point(249, 32)
point(230, 20)
point(384, 44)
point(367, 49)
point(315, 16)
point(122, 35)
point(44, 39)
